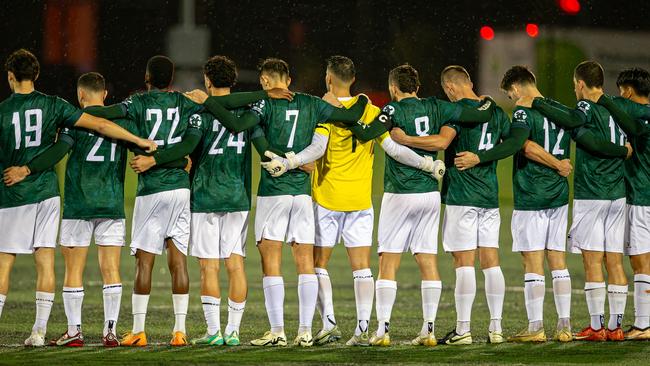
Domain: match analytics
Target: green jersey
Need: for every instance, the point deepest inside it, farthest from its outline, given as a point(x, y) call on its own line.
point(94, 176)
point(536, 186)
point(163, 117)
point(289, 126)
point(417, 117)
point(221, 180)
point(28, 126)
point(598, 178)
point(476, 187)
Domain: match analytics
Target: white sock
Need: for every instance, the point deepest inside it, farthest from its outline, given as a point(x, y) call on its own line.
point(617, 296)
point(211, 306)
point(181, 303)
point(364, 293)
point(3, 298)
point(534, 289)
point(430, 298)
point(44, 301)
point(112, 300)
point(274, 302)
point(596, 293)
point(139, 309)
point(495, 292)
point(324, 303)
point(307, 297)
point(235, 313)
point(641, 301)
point(562, 296)
point(73, 298)
point(386, 290)
point(464, 294)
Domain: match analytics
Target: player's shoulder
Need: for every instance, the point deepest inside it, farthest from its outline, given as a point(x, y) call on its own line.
point(522, 114)
point(392, 107)
point(586, 106)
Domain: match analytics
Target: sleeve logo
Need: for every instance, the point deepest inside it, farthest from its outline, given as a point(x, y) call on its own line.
point(195, 120)
point(584, 106)
point(389, 109)
point(520, 115)
point(258, 107)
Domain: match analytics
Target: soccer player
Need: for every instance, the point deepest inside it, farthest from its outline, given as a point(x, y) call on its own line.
point(410, 206)
point(599, 200)
point(472, 217)
point(632, 114)
point(29, 211)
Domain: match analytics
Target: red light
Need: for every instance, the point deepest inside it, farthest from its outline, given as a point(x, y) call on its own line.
point(571, 7)
point(532, 30)
point(487, 33)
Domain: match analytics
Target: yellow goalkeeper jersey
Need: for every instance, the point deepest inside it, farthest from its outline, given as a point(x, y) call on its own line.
point(342, 180)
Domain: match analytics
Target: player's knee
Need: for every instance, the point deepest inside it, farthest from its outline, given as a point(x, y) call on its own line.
point(234, 266)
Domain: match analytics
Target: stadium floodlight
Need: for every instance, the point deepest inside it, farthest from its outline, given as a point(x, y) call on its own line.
point(487, 33)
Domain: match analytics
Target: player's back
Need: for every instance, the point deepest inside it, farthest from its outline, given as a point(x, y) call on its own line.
point(289, 126)
point(537, 186)
point(221, 175)
point(162, 117)
point(476, 187)
point(28, 127)
point(599, 178)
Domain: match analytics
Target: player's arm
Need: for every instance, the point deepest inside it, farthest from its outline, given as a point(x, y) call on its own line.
point(430, 143)
point(532, 151)
point(560, 114)
point(349, 116)
point(109, 129)
point(589, 142)
point(510, 145)
point(111, 112)
point(631, 126)
point(237, 100)
point(406, 156)
point(465, 115)
point(309, 154)
point(191, 138)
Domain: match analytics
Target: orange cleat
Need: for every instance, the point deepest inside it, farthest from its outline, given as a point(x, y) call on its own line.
point(615, 335)
point(179, 340)
point(134, 340)
point(592, 335)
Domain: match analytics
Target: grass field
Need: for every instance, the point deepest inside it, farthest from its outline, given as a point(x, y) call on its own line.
point(18, 315)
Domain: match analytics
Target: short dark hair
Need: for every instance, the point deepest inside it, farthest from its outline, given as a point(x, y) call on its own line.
point(23, 64)
point(274, 65)
point(636, 78)
point(455, 73)
point(92, 81)
point(517, 74)
point(161, 71)
point(342, 67)
point(591, 73)
point(405, 77)
point(221, 71)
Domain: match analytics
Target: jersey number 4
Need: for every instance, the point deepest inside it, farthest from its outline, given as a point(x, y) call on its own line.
point(239, 144)
point(33, 124)
point(172, 116)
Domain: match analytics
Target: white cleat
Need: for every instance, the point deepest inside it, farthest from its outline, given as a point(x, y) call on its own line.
point(36, 339)
point(304, 340)
point(495, 337)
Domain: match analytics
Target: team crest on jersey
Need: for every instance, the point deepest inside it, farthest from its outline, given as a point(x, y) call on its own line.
point(195, 120)
point(520, 115)
point(389, 109)
point(258, 106)
point(584, 106)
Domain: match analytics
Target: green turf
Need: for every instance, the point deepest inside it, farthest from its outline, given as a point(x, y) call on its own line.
point(18, 315)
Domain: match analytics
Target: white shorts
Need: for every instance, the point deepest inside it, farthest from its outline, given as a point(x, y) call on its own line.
point(217, 235)
point(409, 222)
point(598, 225)
point(285, 218)
point(637, 230)
point(354, 227)
point(468, 228)
point(540, 229)
point(108, 232)
point(160, 216)
point(26, 228)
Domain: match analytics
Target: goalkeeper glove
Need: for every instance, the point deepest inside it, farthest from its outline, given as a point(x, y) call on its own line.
point(435, 168)
point(276, 166)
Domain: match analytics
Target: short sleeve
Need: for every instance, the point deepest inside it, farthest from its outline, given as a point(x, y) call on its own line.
point(67, 113)
point(389, 109)
point(323, 109)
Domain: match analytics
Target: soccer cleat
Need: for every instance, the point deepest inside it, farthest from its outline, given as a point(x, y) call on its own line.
point(327, 336)
point(232, 339)
point(36, 339)
point(454, 339)
point(361, 340)
point(380, 341)
point(615, 335)
point(526, 336)
point(563, 335)
point(110, 340)
point(591, 335)
point(67, 340)
point(495, 337)
point(209, 340)
point(270, 340)
point(304, 340)
point(637, 334)
point(179, 339)
point(134, 340)
point(425, 340)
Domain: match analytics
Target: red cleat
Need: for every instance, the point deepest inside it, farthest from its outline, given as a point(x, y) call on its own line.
point(67, 340)
point(615, 335)
point(592, 335)
point(110, 340)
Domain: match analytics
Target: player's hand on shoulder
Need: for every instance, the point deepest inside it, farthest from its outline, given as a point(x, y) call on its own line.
point(628, 146)
point(465, 160)
point(398, 135)
point(276, 166)
point(565, 168)
point(188, 167)
point(330, 98)
point(142, 163)
point(198, 96)
point(280, 93)
point(525, 101)
point(14, 175)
